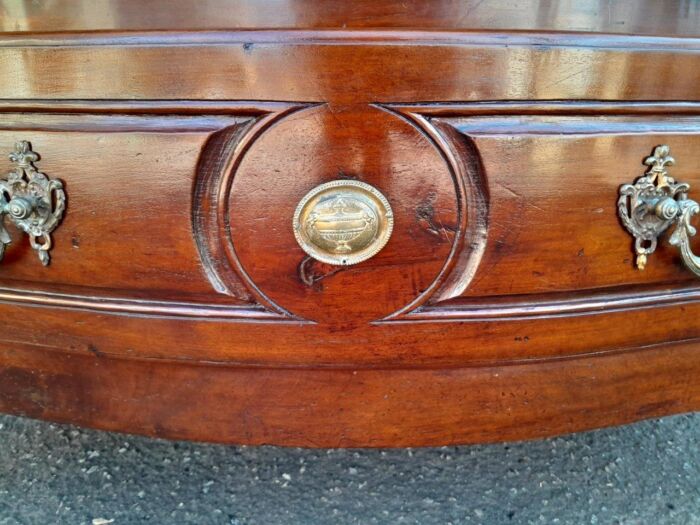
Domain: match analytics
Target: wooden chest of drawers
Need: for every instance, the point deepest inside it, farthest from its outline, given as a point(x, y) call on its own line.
point(349, 224)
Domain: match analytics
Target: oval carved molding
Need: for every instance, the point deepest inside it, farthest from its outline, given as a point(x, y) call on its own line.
point(431, 174)
point(218, 161)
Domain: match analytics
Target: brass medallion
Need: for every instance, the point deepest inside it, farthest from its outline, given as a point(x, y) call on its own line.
point(343, 222)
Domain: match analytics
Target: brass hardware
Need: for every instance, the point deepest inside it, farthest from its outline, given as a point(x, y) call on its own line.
point(652, 204)
point(343, 222)
point(33, 202)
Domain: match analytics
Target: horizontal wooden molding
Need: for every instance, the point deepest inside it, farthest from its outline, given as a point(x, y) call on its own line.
point(549, 107)
point(140, 307)
point(553, 305)
point(350, 36)
point(480, 309)
point(147, 107)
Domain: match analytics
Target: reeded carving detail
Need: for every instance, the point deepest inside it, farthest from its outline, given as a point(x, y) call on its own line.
point(343, 222)
point(34, 203)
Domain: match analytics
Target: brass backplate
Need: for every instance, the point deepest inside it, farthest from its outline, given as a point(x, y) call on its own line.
point(343, 222)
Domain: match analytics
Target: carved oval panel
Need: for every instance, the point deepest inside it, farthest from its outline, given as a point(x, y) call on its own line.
point(319, 145)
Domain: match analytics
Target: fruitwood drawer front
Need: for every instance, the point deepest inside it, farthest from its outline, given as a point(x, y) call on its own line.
point(505, 237)
point(350, 224)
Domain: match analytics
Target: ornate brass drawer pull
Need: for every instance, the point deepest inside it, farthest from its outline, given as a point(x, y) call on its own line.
point(343, 222)
point(652, 204)
point(33, 202)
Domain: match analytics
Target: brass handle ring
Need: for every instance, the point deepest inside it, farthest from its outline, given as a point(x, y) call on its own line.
point(33, 202)
point(343, 222)
point(655, 202)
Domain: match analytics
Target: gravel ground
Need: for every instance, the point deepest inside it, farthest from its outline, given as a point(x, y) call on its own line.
point(647, 473)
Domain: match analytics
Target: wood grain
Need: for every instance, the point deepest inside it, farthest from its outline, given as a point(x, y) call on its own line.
point(325, 66)
point(349, 408)
point(652, 17)
point(505, 306)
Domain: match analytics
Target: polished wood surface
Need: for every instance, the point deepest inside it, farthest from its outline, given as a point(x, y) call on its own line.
point(372, 66)
point(647, 17)
point(349, 408)
point(506, 304)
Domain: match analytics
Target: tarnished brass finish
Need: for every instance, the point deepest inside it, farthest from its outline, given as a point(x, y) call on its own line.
point(652, 204)
point(343, 222)
point(34, 203)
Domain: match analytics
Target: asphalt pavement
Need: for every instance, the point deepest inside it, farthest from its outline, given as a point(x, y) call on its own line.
point(646, 473)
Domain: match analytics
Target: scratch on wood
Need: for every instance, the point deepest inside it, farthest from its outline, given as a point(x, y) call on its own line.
point(425, 215)
point(312, 272)
point(346, 176)
point(576, 73)
point(513, 193)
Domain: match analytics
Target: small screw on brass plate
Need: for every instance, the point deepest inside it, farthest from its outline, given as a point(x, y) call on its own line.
point(343, 222)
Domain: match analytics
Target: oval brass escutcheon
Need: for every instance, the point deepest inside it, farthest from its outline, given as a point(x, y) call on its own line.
point(343, 222)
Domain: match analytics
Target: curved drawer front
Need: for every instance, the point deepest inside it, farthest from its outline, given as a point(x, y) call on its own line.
point(504, 229)
point(353, 236)
point(129, 172)
point(553, 182)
